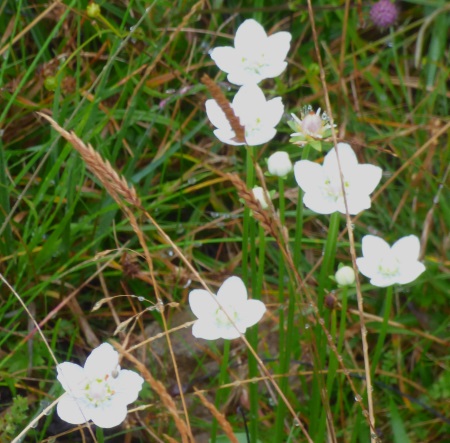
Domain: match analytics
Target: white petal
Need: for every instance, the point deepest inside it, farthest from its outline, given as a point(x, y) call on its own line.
point(308, 175)
point(367, 267)
point(274, 70)
point(108, 417)
point(72, 411)
point(227, 136)
point(273, 111)
point(103, 360)
point(127, 386)
point(347, 159)
point(216, 115)
point(356, 203)
point(277, 46)
point(232, 292)
point(320, 203)
point(230, 332)
point(249, 37)
point(382, 280)
point(375, 248)
point(226, 58)
point(256, 138)
point(367, 178)
point(252, 312)
point(70, 376)
point(244, 77)
point(409, 272)
point(202, 303)
point(205, 328)
point(248, 102)
point(407, 248)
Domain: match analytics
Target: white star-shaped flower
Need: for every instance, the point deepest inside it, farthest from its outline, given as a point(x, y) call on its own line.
point(322, 184)
point(386, 265)
point(212, 322)
point(258, 116)
point(100, 391)
point(255, 56)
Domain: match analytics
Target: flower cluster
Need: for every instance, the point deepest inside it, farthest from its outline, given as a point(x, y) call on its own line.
point(254, 57)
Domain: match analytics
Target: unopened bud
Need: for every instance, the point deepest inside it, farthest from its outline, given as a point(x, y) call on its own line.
point(279, 164)
point(259, 192)
point(345, 276)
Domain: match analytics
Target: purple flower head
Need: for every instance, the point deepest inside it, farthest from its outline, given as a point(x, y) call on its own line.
point(384, 13)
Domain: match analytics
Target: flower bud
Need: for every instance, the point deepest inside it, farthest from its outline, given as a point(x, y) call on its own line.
point(345, 276)
point(279, 164)
point(50, 83)
point(258, 192)
point(93, 10)
point(384, 13)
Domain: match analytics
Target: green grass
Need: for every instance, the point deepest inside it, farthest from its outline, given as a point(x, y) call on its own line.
point(129, 84)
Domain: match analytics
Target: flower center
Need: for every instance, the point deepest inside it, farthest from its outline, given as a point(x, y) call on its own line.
point(222, 319)
point(98, 391)
point(312, 124)
point(389, 267)
point(333, 188)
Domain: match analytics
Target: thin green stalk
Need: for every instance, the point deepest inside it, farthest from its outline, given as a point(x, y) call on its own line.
point(318, 409)
point(327, 266)
point(299, 218)
point(284, 350)
point(223, 379)
point(383, 330)
point(252, 335)
point(249, 264)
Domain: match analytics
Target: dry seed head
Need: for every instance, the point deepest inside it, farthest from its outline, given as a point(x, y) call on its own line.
point(224, 104)
point(115, 184)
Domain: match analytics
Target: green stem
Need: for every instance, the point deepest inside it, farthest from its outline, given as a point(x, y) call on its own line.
point(328, 258)
point(223, 379)
point(251, 280)
point(284, 350)
point(383, 330)
point(299, 218)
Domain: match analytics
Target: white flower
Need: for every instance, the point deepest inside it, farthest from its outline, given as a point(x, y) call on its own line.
point(279, 164)
point(255, 56)
point(322, 184)
point(258, 116)
point(258, 192)
point(100, 391)
point(386, 265)
point(212, 322)
point(345, 276)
